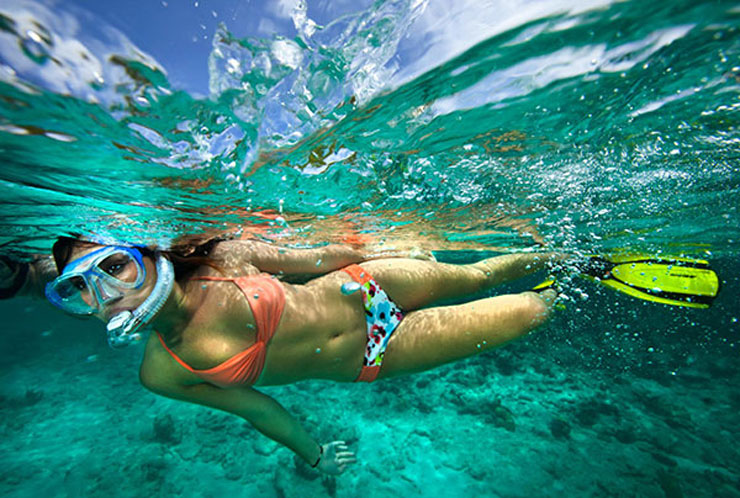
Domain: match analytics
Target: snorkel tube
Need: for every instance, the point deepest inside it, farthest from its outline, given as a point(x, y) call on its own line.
point(123, 328)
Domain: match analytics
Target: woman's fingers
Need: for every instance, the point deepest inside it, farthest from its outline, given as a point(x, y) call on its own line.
point(346, 458)
point(342, 455)
point(422, 254)
point(338, 446)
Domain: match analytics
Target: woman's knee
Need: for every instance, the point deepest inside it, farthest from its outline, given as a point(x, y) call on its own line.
point(536, 308)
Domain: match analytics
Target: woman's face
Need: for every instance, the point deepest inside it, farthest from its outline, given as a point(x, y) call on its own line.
point(123, 269)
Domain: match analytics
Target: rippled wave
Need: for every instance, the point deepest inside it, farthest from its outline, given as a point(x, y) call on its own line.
point(582, 126)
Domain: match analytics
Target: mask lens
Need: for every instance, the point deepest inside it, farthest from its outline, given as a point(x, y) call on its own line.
point(71, 287)
point(74, 293)
point(120, 266)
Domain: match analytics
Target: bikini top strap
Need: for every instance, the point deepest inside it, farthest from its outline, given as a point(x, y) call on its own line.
point(177, 358)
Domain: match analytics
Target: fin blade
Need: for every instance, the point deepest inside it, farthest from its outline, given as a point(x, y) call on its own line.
point(646, 296)
point(547, 284)
point(638, 257)
point(667, 280)
point(670, 279)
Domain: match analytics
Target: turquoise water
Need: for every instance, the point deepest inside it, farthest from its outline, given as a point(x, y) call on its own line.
point(466, 130)
point(606, 128)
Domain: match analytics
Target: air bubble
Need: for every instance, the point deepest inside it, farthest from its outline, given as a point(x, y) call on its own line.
point(350, 288)
point(34, 46)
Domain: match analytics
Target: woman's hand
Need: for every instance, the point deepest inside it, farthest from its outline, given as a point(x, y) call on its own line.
point(6, 272)
point(13, 276)
point(25, 278)
point(335, 457)
point(415, 253)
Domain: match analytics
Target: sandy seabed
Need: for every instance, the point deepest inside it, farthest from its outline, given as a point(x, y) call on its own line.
point(525, 420)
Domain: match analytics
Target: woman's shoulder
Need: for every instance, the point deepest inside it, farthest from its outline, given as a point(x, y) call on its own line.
point(234, 257)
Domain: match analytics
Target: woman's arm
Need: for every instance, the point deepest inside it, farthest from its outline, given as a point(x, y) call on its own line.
point(19, 278)
point(260, 410)
point(266, 415)
point(314, 261)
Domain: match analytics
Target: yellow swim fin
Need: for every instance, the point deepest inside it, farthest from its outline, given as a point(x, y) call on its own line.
point(551, 283)
point(675, 281)
point(547, 284)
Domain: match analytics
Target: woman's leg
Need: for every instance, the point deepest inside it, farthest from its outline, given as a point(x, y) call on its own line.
point(414, 284)
point(431, 337)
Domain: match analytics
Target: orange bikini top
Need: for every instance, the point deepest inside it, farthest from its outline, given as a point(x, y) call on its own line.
point(266, 298)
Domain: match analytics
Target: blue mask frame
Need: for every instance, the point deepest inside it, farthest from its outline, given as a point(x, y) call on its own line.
point(85, 275)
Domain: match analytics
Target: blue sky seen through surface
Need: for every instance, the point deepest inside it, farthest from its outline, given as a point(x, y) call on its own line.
point(179, 34)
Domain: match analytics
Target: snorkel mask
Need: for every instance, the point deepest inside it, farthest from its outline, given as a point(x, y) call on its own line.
point(90, 282)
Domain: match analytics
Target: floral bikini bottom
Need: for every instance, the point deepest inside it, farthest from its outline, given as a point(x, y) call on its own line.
point(382, 316)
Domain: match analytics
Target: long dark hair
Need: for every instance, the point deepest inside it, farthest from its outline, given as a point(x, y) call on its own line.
point(186, 258)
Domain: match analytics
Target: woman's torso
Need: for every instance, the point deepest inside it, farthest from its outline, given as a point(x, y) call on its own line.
point(321, 333)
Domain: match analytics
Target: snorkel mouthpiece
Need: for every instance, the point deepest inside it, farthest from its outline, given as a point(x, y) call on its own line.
point(123, 328)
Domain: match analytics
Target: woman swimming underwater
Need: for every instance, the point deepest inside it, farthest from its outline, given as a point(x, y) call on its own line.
point(224, 323)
